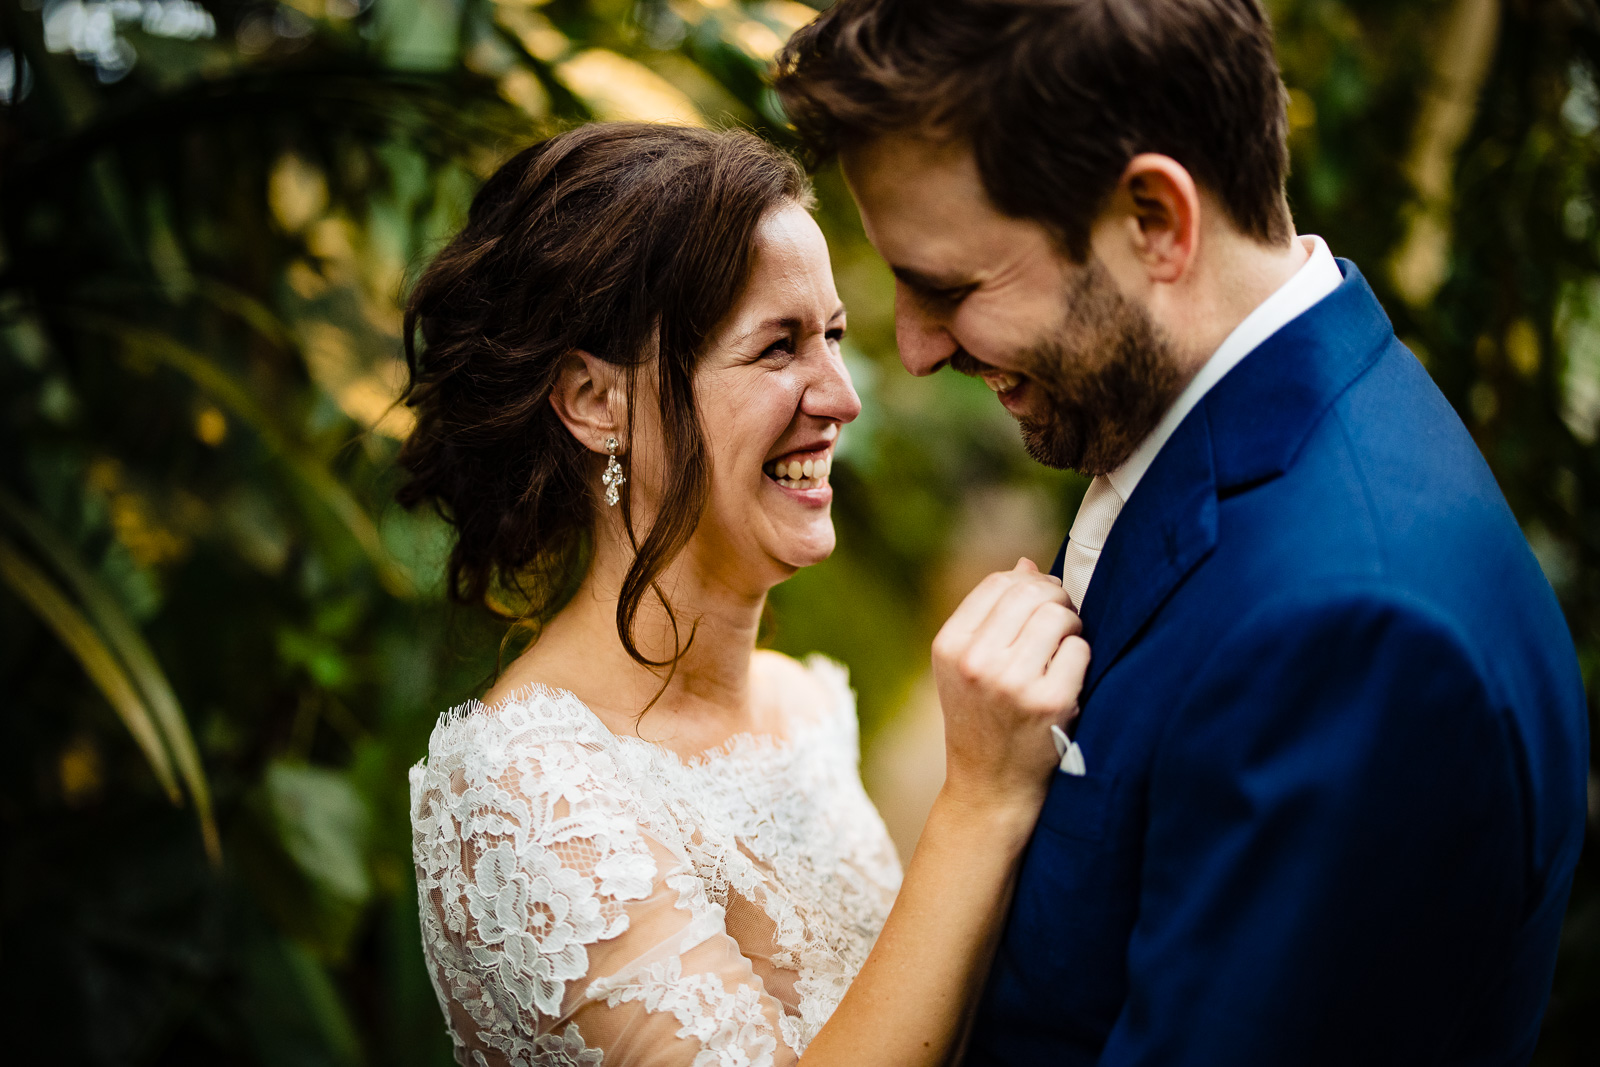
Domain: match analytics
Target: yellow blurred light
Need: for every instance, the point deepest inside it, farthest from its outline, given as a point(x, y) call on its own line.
point(104, 475)
point(149, 542)
point(80, 772)
point(790, 14)
point(1419, 266)
point(1302, 110)
point(211, 426)
point(522, 87)
point(330, 355)
point(332, 239)
point(617, 88)
point(757, 39)
point(371, 402)
point(365, 390)
point(383, 314)
point(1522, 348)
point(296, 191)
point(537, 33)
point(305, 281)
point(1484, 401)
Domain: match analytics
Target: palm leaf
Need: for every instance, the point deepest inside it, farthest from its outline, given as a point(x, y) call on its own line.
point(306, 468)
point(126, 642)
point(56, 611)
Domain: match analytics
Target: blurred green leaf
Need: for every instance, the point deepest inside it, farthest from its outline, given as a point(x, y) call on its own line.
point(307, 469)
point(135, 654)
point(55, 610)
point(323, 823)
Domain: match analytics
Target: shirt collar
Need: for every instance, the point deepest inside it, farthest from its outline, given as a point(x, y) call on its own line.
point(1315, 279)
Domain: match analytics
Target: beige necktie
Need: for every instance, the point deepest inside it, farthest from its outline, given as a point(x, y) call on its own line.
point(1099, 510)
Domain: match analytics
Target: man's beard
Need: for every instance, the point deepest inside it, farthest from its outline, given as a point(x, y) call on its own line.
point(1107, 372)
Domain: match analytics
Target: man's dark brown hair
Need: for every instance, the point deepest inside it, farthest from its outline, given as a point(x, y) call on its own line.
point(1056, 96)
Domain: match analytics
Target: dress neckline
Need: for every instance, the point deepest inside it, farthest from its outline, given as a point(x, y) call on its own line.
point(743, 745)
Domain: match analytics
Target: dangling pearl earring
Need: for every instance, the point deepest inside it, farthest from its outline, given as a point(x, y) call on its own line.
point(612, 477)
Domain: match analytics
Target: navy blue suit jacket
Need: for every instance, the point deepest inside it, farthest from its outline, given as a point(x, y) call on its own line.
point(1336, 745)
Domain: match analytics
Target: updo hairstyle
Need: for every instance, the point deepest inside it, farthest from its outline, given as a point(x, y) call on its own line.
point(631, 242)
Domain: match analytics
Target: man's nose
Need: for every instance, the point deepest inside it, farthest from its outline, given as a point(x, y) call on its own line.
point(831, 394)
point(923, 339)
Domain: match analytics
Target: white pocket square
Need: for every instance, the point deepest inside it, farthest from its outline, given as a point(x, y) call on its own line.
point(1068, 752)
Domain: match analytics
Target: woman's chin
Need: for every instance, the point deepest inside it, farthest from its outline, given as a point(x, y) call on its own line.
point(804, 550)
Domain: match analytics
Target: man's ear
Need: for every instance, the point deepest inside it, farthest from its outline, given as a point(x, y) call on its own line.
point(588, 399)
point(1155, 214)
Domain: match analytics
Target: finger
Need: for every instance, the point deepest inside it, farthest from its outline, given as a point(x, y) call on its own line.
point(1027, 565)
point(1012, 611)
point(1050, 624)
point(1063, 679)
point(977, 605)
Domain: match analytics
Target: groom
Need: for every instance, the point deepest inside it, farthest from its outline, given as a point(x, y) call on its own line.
point(1333, 736)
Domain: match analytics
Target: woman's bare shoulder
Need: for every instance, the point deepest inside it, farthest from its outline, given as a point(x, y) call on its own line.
point(801, 690)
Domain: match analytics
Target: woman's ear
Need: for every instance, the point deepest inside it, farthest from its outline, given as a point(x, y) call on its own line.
point(588, 399)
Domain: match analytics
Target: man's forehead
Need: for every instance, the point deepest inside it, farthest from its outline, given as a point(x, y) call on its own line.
point(907, 165)
point(925, 209)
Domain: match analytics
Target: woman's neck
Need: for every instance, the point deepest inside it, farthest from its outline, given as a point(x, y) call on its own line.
point(709, 694)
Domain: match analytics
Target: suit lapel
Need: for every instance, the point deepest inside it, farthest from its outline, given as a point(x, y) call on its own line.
point(1245, 432)
point(1163, 532)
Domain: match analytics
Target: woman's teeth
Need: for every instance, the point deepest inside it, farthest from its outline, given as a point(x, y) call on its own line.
point(800, 474)
point(1001, 381)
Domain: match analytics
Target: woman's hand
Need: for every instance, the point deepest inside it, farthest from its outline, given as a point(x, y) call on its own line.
point(1008, 665)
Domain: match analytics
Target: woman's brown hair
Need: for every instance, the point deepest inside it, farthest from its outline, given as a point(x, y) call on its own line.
point(630, 242)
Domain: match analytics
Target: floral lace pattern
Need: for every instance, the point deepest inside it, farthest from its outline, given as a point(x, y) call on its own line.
point(591, 899)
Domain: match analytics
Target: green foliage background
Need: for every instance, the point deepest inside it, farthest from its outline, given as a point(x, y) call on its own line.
point(221, 644)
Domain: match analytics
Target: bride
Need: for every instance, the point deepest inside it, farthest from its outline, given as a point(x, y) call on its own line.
point(648, 844)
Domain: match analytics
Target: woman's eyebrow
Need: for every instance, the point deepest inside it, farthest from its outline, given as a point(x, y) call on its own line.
point(787, 325)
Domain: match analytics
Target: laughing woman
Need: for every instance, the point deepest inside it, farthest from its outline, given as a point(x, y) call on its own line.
point(648, 844)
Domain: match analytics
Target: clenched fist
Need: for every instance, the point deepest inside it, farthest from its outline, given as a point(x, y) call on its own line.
point(1009, 664)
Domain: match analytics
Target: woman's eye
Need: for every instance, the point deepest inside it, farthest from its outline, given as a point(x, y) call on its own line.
point(836, 334)
point(784, 347)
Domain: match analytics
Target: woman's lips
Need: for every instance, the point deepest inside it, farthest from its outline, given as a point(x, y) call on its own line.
point(801, 470)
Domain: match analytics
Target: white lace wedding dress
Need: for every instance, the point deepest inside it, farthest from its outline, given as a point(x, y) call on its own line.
point(589, 898)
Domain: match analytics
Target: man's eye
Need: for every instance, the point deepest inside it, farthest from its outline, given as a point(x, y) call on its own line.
point(836, 334)
point(944, 298)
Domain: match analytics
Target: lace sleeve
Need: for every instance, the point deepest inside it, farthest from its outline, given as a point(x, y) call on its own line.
point(561, 924)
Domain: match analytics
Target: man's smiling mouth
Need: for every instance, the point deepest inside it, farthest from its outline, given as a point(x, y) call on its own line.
point(1001, 381)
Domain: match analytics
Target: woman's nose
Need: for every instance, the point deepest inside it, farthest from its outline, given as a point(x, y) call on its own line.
point(830, 394)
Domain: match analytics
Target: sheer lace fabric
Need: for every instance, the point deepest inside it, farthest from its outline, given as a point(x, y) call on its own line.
point(590, 899)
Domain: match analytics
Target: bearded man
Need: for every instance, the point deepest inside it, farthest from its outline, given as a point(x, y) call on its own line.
point(1326, 791)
